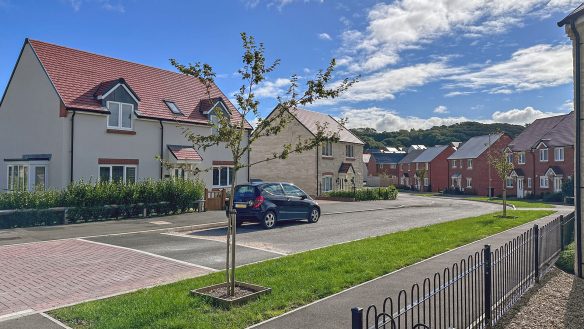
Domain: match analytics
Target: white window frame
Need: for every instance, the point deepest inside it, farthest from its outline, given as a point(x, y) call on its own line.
point(31, 179)
point(327, 149)
point(178, 173)
point(559, 154)
point(529, 182)
point(509, 157)
point(521, 158)
point(324, 184)
point(543, 158)
point(110, 166)
point(561, 184)
point(453, 163)
point(392, 166)
point(509, 182)
point(426, 181)
point(417, 166)
point(468, 163)
point(229, 178)
point(350, 151)
point(120, 116)
point(545, 180)
point(469, 182)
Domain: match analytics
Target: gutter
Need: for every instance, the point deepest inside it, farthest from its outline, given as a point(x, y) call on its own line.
point(161, 148)
point(578, 189)
point(72, 145)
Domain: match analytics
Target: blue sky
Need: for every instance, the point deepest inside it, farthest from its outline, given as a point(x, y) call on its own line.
point(420, 62)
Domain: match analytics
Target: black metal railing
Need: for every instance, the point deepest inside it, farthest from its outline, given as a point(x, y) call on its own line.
point(477, 291)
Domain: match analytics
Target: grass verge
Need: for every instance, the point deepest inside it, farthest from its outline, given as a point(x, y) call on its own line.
point(295, 280)
point(566, 260)
point(515, 202)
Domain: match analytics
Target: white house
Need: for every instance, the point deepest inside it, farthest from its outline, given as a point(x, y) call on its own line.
point(69, 115)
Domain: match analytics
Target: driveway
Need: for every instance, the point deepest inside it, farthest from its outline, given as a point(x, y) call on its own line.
point(44, 275)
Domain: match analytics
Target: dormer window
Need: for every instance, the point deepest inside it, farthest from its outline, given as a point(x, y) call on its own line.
point(173, 107)
point(120, 115)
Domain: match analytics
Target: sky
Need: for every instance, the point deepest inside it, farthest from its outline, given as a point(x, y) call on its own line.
point(419, 63)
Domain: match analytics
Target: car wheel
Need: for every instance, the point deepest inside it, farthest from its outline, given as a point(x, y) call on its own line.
point(314, 215)
point(269, 220)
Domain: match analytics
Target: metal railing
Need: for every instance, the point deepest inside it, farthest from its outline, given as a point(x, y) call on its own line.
point(477, 291)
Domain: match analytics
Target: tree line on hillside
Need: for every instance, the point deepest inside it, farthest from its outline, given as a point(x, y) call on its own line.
point(438, 135)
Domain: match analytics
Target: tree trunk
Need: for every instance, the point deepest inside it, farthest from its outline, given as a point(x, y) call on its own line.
point(230, 270)
point(504, 202)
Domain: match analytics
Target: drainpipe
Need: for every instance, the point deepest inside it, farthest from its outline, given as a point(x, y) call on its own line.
point(248, 156)
point(577, 190)
point(317, 188)
point(72, 140)
point(161, 148)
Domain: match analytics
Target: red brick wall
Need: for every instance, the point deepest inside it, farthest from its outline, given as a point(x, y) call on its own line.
point(438, 170)
point(371, 167)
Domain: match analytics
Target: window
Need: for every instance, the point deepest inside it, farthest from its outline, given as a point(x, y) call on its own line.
point(273, 189)
point(173, 108)
point(468, 182)
point(426, 181)
point(401, 166)
point(292, 190)
point(178, 173)
point(327, 149)
point(453, 163)
point(120, 115)
point(26, 177)
point(18, 177)
point(509, 182)
point(557, 184)
point(509, 157)
point(543, 182)
point(349, 151)
point(222, 176)
point(469, 164)
point(393, 166)
point(426, 165)
point(417, 166)
point(543, 155)
point(529, 182)
point(327, 183)
point(521, 158)
point(40, 178)
point(559, 154)
point(123, 174)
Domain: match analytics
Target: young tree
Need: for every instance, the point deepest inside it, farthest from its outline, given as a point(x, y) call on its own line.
point(234, 135)
point(421, 174)
point(503, 167)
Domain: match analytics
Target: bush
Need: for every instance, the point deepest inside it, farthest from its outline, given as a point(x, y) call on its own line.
point(380, 193)
point(101, 201)
point(553, 197)
point(566, 260)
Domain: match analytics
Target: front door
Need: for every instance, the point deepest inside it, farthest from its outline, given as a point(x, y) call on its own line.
point(520, 187)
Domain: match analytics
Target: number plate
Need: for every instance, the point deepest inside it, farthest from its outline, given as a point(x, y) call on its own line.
point(240, 205)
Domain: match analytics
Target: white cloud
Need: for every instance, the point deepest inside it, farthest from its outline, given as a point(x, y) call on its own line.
point(407, 24)
point(457, 93)
point(441, 109)
point(531, 68)
point(324, 36)
point(113, 7)
point(272, 89)
point(521, 117)
point(388, 120)
point(105, 4)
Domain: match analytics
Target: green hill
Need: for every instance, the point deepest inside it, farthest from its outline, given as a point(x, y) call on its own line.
point(437, 135)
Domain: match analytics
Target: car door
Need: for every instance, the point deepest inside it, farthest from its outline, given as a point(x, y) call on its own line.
point(275, 194)
point(297, 201)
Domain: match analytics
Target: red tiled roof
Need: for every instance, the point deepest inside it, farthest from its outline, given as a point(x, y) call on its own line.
point(77, 76)
point(181, 152)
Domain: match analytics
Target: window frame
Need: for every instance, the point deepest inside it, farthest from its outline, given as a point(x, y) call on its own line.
point(350, 151)
point(125, 174)
point(426, 181)
point(556, 179)
point(120, 116)
point(556, 154)
point(521, 158)
point(323, 184)
point(229, 174)
point(453, 164)
point(469, 182)
point(529, 182)
point(508, 180)
point(541, 153)
point(30, 170)
point(546, 180)
point(327, 146)
point(509, 157)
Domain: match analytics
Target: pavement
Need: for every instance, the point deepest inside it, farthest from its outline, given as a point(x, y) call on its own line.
point(75, 263)
point(335, 311)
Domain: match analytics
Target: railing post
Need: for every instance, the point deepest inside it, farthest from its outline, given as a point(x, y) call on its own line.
point(562, 233)
point(536, 252)
point(487, 281)
point(356, 318)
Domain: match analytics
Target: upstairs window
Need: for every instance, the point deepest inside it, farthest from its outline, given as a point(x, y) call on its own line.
point(510, 157)
point(173, 108)
point(543, 155)
point(559, 154)
point(521, 158)
point(469, 163)
point(350, 151)
point(327, 149)
point(453, 163)
point(120, 115)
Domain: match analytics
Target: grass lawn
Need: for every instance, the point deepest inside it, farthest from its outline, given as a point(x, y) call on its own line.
point(295, 280)
point(515, 202)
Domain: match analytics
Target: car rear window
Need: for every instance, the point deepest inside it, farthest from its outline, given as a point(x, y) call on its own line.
point(245, 191)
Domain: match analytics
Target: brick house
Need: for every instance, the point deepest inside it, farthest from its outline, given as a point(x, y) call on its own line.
point(543, 156)
point(469, 169)
point(385, 164)
point(434, 161)
point(330, 167)
point(407, 169)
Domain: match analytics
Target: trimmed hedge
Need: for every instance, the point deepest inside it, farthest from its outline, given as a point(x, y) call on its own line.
point(566, 260)
point(101, 201)
point(381, 193)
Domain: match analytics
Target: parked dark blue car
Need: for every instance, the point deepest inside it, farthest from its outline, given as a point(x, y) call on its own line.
point(271, 202)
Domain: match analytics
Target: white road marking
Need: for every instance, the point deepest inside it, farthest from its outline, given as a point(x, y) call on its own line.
point(16, 315)
point(281, 253)
point(55, 320)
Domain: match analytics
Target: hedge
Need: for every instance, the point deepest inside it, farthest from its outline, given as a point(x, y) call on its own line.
point(101, 201)
point(381, 193)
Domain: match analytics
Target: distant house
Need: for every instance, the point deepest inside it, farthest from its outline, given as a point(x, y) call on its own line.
point(69, 115)
point(543, 156)
point(330, 167)
point(366, 159)
point(431, 168)
point(407, 168)
point(469, 167)
point(384, 166)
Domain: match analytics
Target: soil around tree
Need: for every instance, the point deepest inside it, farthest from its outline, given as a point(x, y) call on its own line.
point(223, 293)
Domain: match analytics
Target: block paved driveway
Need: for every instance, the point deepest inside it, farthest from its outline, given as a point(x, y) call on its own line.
point(45, 275)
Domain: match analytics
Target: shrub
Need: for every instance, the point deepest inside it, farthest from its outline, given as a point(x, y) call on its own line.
point(553, 197)
point(364, 194)
point(566, 260)
point(101, 201)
